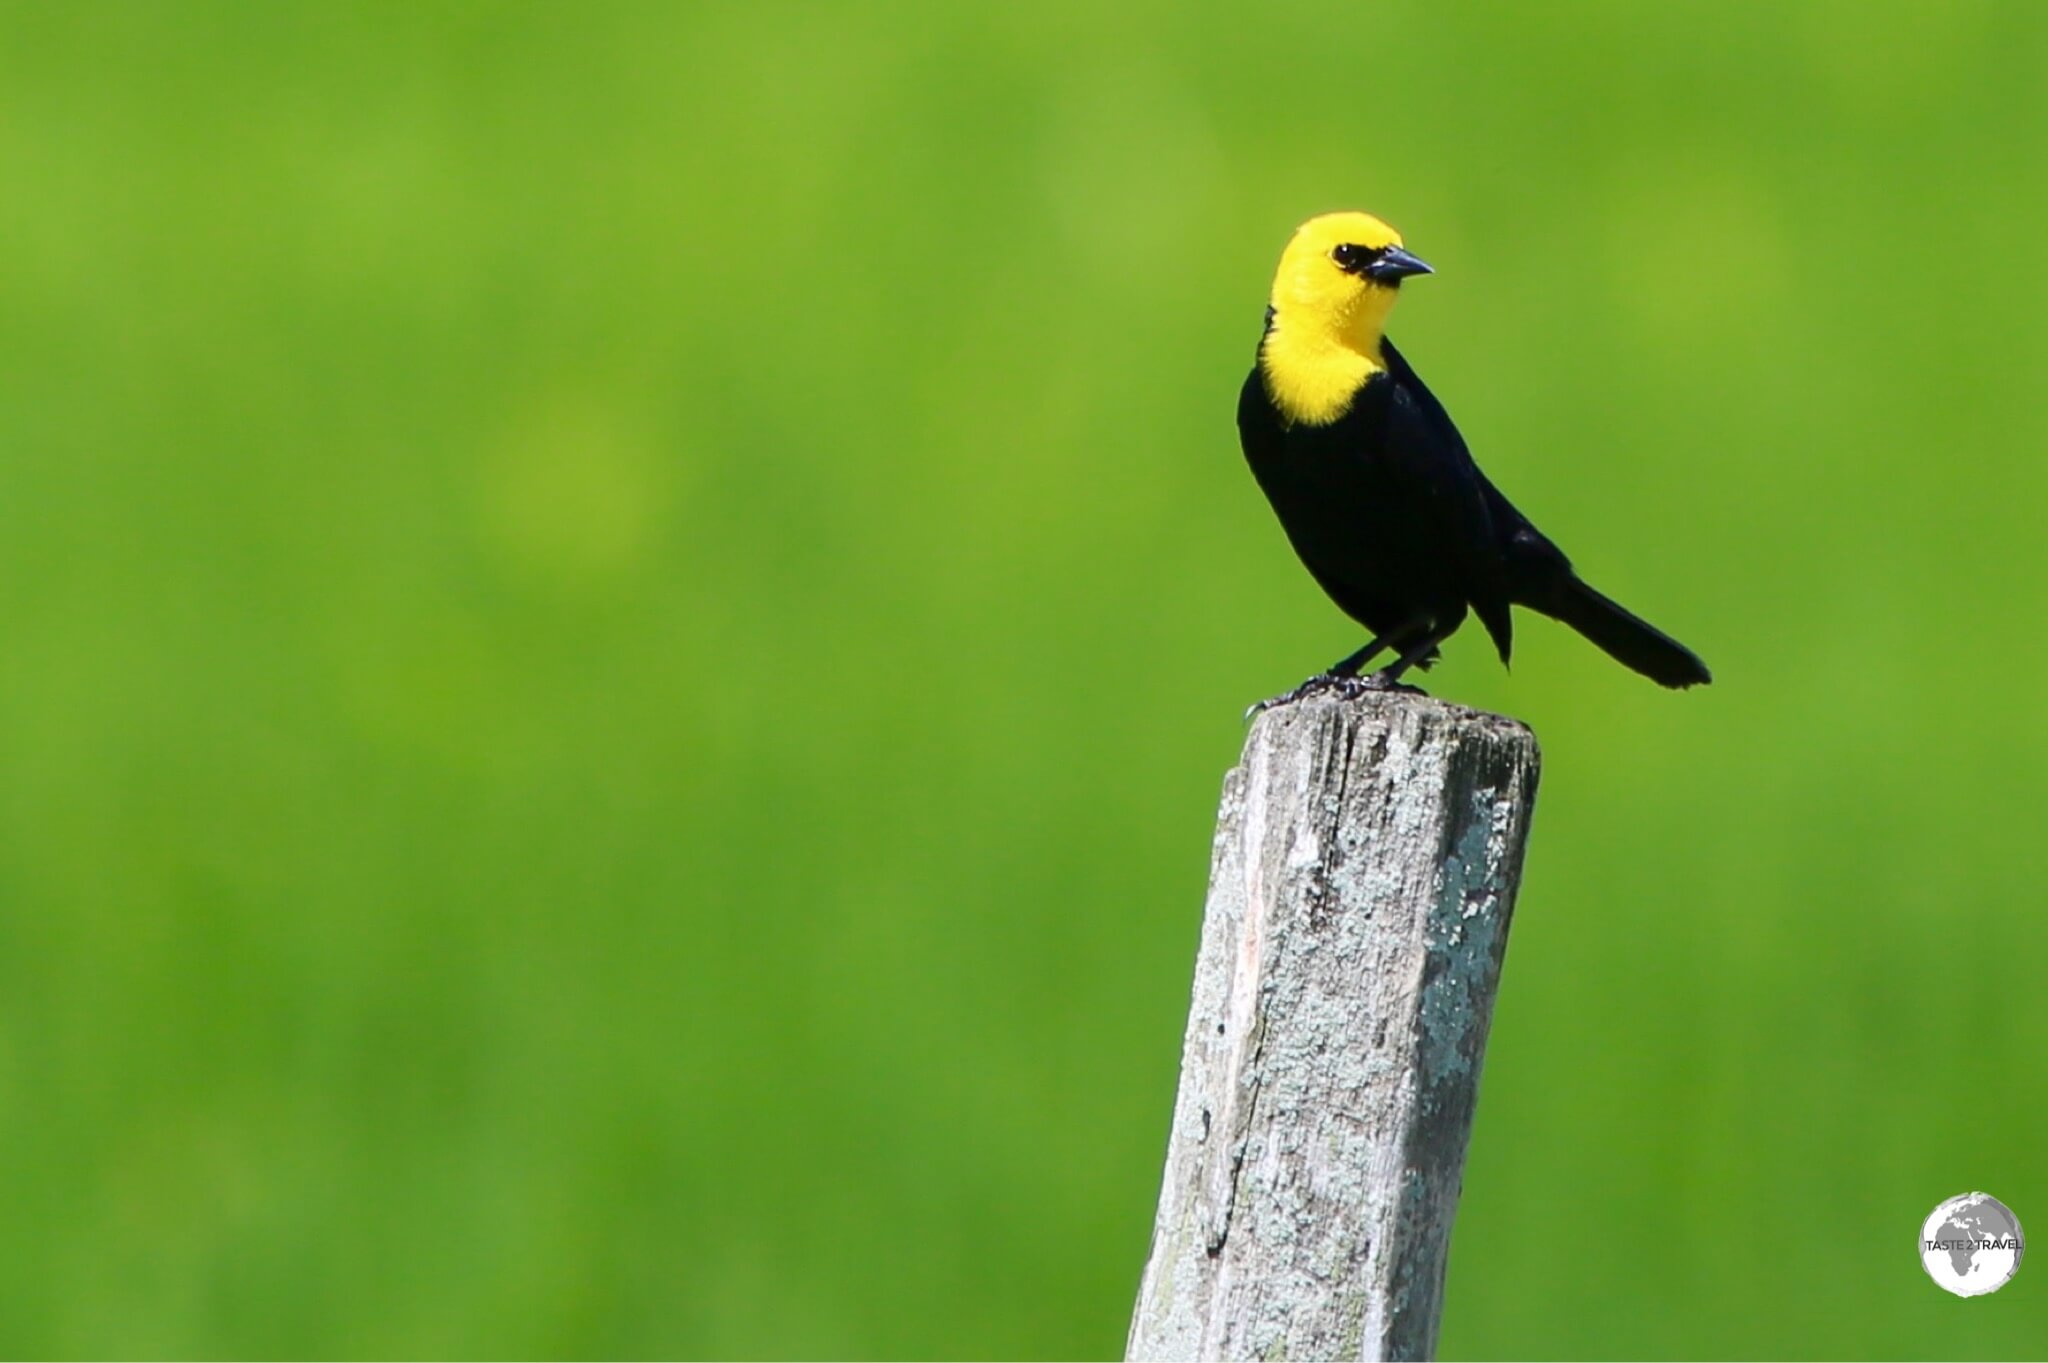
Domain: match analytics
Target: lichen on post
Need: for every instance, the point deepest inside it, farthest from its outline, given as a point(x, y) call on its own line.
point(1367, 853)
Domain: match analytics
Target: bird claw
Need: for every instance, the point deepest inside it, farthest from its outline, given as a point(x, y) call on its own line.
point(1380, 681)
point(1344, 688)
point(1321, 681)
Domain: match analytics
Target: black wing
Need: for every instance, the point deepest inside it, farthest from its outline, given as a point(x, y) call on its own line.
point(1527, 564)
point(1477, 524)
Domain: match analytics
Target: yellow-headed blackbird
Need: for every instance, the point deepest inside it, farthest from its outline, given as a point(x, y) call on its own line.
point(1374, 485)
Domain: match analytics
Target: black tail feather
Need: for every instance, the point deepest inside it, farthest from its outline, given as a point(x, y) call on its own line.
point(1630, 641)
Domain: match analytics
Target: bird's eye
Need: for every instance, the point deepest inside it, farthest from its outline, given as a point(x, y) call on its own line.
point(1351, 259)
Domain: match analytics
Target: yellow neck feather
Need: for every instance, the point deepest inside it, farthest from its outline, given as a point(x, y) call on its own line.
point(1312, 373)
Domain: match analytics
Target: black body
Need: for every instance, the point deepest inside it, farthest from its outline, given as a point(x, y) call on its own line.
point(1391, 516)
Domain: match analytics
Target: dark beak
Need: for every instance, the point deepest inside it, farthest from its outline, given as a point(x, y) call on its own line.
point(1395, 265)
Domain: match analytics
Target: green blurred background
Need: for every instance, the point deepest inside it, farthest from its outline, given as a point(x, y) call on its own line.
point(621, 624)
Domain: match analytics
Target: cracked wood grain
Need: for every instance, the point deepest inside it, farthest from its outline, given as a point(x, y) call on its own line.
point(1367, 854)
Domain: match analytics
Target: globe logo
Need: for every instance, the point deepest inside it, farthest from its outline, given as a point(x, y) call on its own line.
point(1971, 1245)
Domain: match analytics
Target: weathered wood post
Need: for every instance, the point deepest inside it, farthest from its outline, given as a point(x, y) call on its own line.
point(1367, 854)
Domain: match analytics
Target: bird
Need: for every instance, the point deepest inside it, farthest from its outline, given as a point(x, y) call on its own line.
point(1375, 488)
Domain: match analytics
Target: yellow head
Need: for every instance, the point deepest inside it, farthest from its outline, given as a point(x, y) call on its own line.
point(1338, 280)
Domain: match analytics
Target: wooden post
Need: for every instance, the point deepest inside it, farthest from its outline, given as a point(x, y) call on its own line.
point(1367, 853)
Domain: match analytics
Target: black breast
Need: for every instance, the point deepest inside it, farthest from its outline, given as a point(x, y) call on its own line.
point(1383, 514)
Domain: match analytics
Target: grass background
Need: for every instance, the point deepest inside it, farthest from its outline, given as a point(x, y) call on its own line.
point(621, 624)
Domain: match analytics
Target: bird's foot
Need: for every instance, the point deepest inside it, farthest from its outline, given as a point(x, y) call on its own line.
point(1331, 684)
point(1380, 681)
point(1322, 681)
